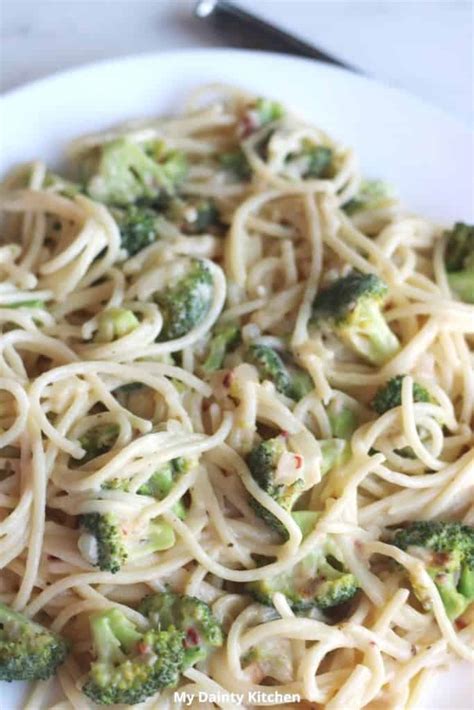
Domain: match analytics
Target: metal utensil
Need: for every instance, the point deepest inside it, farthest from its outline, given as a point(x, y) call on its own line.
point(242, 29)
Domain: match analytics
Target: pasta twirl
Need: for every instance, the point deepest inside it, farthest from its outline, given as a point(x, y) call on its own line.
point(221, 300)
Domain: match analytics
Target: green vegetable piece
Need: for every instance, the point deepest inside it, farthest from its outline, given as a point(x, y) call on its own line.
point(447, 551)
point(115, 323)
point(127, 172)
point(459, 247)
point(138, 227)
point(390, 395)
point(459, 258)
point(292, 381)
point(306, 520)
point(268, 111)
point(206, 217)
point(343, 420)
point(351, 308)
point(372, 195)
point(64, 187)
point(335, 452)
point(130, 665)
point(319, 159)
point(28, 651)
point(184, 305)
point(193, 617)
point(102, 533)
point(160, 484)
point(108, 543)
point(236, 162)
point(226, 338)
point(34, 303)
point(319, 580)
point(462, 283)
point(98, 440)
point(262, 462)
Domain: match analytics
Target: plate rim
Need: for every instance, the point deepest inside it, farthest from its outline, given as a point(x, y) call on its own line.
point(83, 68)
point(79, 71)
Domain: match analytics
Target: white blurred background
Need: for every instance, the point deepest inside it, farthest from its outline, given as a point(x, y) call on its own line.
point(423, 46)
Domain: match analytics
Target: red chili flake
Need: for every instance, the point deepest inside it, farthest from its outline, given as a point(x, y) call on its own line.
point(247, 125)
point(143, 647)
point(441, 559)
point(228, 377)
point(192, 638)
point(298, 461)
point(460, 624)
point(284, 434)
point(52, 557)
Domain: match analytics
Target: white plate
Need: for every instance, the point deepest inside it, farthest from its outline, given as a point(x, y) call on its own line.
point(421, 150)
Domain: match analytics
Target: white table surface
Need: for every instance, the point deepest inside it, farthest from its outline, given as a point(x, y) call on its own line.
point(423, 46)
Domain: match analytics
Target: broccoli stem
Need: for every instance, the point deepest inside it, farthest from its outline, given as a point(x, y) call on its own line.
point(462, 283)
point(111, 632)
point(375, 341)
point(225, 339)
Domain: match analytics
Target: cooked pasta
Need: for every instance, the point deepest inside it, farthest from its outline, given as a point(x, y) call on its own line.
point(215, 330)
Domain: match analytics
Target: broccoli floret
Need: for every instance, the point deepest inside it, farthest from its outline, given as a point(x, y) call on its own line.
point(128, 172)
point(291, 380)
point(195, 216)
point(352, 308)
point(459, 257)
point(138, 227)
point(162, 481)
point(226, 338)
point(64, 187)
point(159, 484)
point(184, 305)
point(319, 580)
point(342, 419)
point(236, 163)
point(447, 551)
point(268, 110)
point(263, 462)
point(459, 246)
point(130, 665)
point(390, 395)
point(263, 465)
point(108, 542)
point(372, 195)
point(310, 161)
point(102, 541)
point(98, 440)
point(202, 631)
point(28, 651)
point(207, 217)
point(114, 323)
point(316, 160)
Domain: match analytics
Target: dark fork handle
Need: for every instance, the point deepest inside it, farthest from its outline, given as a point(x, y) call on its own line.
point(242, 29)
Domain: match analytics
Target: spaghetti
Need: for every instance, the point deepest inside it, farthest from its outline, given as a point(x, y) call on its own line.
point(275, 212)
